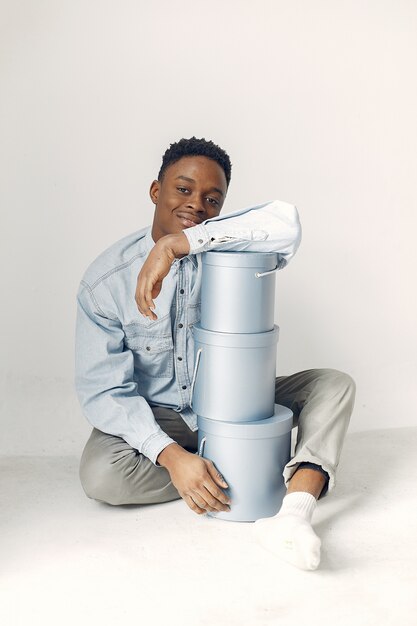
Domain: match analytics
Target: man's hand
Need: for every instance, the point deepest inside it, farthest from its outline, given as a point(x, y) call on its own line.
point(196, 479)
point(155, 268)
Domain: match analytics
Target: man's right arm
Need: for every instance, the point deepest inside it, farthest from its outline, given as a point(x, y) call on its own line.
point(110, 401)
point(105, 383)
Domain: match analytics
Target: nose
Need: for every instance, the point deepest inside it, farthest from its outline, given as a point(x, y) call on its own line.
point(195, 203)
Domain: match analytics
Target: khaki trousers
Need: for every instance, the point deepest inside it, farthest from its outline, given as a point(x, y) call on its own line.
point(322, 402)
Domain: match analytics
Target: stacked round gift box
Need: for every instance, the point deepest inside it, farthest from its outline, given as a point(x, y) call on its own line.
point(240, 428)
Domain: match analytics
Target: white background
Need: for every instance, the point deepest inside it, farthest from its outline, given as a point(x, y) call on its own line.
point(316, 103)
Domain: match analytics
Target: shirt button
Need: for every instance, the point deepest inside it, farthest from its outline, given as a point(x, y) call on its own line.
point(181, 290)
point(148, 348)
point(200, 241)
point(184, 387)
point(180, 358)
point(180, 325)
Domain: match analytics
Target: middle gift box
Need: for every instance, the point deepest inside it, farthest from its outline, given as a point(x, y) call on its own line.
point(234, 375)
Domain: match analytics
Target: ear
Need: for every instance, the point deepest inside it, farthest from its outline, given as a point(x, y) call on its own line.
point(154, 191)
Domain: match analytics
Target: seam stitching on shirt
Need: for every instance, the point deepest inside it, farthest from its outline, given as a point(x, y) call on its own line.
point(117, 269)
point(96, 304)
point(157, 323)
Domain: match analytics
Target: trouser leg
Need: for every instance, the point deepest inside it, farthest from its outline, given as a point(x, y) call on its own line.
point(112, 471)
point(322, 402)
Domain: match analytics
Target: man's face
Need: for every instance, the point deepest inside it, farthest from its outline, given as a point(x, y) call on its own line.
point(193, 189)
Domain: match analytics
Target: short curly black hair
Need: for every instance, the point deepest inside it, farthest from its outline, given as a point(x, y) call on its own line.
point(196, 147)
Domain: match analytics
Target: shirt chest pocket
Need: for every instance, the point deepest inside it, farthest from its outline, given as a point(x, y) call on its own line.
point(153, 354)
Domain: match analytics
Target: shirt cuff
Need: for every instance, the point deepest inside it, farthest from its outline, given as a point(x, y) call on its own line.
point(154, 445)
point(205, 237)
point(198, 238)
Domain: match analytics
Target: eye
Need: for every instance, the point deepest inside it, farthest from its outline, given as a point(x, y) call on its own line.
point(182, 189)
point(212, 201)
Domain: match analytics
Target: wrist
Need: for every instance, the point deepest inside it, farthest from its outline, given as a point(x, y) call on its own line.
point(176, 245)
point(169, 455)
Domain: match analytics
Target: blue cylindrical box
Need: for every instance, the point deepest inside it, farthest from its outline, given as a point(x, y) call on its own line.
point(234, 375)
point(238, 291)
point(251, 457)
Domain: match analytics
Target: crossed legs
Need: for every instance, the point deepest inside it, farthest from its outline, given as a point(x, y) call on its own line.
point(322, 402)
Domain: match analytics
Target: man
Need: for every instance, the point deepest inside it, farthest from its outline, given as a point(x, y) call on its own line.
point(134, 360)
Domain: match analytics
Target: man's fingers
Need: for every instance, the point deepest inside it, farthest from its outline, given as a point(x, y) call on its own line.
point(148, 292)
point(215, 503)
point(143, 297)
point(140, 293)
point(205, 501)
point(150, 304)
point(193, 506)
point(147, 312)
point(200, 501)
point(216, 476)
point(222, 500)
point(137, 295)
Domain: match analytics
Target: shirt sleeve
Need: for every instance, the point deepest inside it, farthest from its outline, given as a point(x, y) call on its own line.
point(270, 227)
point(104, 380)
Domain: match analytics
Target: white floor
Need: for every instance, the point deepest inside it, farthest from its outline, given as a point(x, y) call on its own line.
point(68, 560)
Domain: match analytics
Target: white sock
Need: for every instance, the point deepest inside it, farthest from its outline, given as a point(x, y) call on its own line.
point(289, 534)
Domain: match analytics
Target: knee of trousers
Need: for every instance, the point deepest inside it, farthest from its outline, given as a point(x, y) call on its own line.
point(100, 479)
point(338, 382)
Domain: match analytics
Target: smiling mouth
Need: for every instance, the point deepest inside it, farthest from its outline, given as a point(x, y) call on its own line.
point(188, 223)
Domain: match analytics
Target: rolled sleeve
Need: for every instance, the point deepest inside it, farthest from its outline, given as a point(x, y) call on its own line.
point(270, 227)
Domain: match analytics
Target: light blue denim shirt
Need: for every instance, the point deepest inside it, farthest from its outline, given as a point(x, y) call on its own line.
point(125, 362)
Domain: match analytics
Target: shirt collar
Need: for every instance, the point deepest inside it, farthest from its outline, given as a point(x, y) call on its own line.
point(149, 242)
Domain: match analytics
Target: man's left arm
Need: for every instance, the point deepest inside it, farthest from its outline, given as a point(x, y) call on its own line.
point(270, 227)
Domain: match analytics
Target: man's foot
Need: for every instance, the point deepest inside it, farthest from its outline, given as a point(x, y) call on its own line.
point(289, 535)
